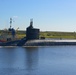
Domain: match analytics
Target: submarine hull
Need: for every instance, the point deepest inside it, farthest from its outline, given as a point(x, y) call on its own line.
point(49, 42)
point(33, 43)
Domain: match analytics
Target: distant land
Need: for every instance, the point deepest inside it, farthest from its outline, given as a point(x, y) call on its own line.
point(49, 34)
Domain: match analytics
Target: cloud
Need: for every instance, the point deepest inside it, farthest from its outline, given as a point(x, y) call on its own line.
point(15, 16)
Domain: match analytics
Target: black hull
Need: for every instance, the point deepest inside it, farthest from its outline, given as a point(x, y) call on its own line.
point(10, 43)
point(24, 42)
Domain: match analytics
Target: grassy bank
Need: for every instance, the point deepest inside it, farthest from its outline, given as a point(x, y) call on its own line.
point(58, 35)
point(49, 34)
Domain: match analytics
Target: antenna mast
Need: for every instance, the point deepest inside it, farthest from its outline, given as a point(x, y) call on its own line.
point(31, 22)
point(10, 22)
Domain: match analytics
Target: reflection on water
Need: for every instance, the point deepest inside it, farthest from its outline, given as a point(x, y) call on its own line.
point(7, 56)
point(31, 59)
point(54, 60)
point(15, 60)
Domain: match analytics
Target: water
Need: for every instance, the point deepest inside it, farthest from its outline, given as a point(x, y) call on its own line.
point(54, 60)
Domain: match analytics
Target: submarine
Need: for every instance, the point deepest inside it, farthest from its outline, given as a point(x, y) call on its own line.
point(32, 39)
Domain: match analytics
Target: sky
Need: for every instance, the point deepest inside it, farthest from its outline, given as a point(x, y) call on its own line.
point(48, 15)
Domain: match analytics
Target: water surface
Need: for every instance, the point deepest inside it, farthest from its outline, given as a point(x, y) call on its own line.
point(53, 60)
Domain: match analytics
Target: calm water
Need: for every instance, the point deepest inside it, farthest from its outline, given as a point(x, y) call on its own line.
point(54, 60)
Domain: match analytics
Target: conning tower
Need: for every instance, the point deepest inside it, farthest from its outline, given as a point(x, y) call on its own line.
point(32, 33)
